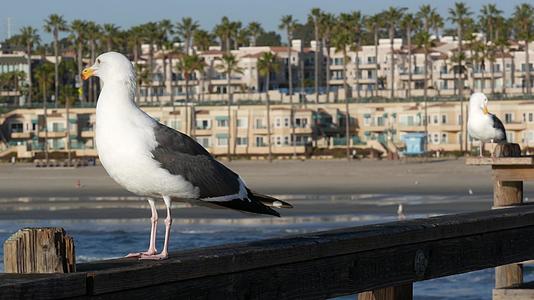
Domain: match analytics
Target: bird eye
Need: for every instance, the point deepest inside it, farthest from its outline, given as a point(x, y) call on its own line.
point(98, 60)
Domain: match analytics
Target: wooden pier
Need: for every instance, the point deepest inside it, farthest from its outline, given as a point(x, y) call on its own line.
point(377, 258)
point(509, 171)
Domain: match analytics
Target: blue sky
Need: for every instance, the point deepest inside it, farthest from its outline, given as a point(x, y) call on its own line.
point(208, 12)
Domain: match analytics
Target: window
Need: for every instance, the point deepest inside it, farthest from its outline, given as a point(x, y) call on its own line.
point(508, 118)
point(286, 140)
point(435, 138)
point(175, 124)
point(301, 122)
point(444, 138)
point(278, 123)
point(222, 123)
point(380, 121)
point(286, 122)
point(435, 119)
point(367, 120)
point(242, 141)
point(530, 117)
point(222, 141)
point(16, 127)
point(278, 140)
point(259, 123)
point(203, 124)
point(259, 142)
point(443, 119)
point(242, 123)
point(419, 84)
point(204, 141)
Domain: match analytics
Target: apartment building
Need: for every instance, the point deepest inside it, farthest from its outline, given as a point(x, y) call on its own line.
point(244, 131)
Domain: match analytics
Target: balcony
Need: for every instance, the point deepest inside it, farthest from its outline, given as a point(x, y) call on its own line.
point(53, 134)
point(411, 127)
point(21, 135)
point(367, 66)
point(515, 126)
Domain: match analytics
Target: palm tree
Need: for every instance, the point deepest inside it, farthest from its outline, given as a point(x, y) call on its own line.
point(459, 15)
point(255, 30)
point(151, 34)
point(373, 24)
point(135, 38)
point(314, 17)
point(342, 39)
point(501, 41)
point(55, 24)
point(186, 29)
point(44, 74)
point(110, 35)
point(268, 63)
point(424, 41)
point(524, 21)
point(288, 23)
point(229, 66)
point(188, 65)
point(356, 21)
point(67, 95)
point(392, 17)
point(425, 14)
point(77, 29)
point(224, 31)
point(409, 23)
point(29, 37)
point(437, 23)
point(489, 15)
point(93, 32)
point(326, 25)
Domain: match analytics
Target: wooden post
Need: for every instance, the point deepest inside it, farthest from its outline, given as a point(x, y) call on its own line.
point(401, 292)
point(39, 250)
point(507, 193)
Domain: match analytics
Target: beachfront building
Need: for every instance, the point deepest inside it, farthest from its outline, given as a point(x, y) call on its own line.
point(380, 126)
point(368, 73)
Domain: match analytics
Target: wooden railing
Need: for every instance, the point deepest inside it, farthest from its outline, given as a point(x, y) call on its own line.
point(310, 266)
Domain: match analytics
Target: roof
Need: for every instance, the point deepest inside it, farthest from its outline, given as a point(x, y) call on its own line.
point(12, 60)
point(212, 52)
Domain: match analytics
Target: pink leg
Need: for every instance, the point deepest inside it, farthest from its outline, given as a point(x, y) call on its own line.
point(153, 231)
point(168, 222)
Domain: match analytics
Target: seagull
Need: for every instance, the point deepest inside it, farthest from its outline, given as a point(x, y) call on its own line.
point(150, 159)
point(482, 125)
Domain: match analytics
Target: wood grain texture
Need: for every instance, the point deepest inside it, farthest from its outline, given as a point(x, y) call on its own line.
point(348, 274)
point(39, 250)
point(42, 286)
point(508, 275)
point(109, 276)
point(503, 161)
point(317, 265)
point(401, 292)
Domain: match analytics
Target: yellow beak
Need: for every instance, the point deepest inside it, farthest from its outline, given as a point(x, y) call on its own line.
point(87, 72)
point(485, 110)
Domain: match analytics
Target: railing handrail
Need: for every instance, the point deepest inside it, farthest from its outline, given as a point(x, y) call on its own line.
point(356, 259)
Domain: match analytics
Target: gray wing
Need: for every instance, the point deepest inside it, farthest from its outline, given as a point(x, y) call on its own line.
point(181, 155)
point(498, 125)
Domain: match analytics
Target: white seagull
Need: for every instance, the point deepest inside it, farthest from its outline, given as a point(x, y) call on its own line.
point(151, 159)
point(482, 125)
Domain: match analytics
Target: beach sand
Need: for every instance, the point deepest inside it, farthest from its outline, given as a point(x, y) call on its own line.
point(314, 186)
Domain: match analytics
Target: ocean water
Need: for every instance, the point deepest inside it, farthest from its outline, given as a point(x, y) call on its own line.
point(97, 237)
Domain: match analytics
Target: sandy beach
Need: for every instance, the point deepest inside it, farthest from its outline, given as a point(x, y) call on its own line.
point(325, 187)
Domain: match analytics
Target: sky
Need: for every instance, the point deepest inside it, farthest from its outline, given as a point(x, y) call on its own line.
point(126, 13)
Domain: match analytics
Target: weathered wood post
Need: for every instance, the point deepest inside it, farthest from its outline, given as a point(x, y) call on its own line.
point(401, 292)
point(39, 250)
point(507, 193)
